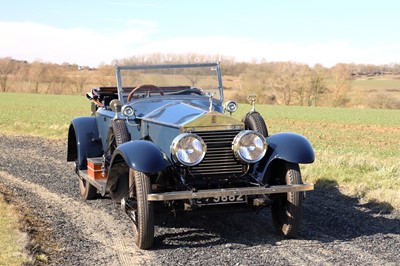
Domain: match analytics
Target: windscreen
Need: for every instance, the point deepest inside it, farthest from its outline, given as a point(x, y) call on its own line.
point(204, 78)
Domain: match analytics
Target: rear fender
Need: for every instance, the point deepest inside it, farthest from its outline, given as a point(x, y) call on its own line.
point(289, 147)
point(83, 141)
point(140, 155)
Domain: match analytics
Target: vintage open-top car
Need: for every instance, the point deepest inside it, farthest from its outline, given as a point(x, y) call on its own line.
point(161, 136)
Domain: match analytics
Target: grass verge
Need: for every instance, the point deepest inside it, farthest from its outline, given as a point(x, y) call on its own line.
point(12, 240)
point(40, 247)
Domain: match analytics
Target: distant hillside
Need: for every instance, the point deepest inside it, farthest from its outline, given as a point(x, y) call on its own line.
point(280, 83)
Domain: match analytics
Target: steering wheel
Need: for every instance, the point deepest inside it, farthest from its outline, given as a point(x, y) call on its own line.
point(147, 87)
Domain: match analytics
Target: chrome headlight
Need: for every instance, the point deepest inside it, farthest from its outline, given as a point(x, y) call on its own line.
point(128, 111)
point(189, 149)
point(230, 106)
point(249, 146)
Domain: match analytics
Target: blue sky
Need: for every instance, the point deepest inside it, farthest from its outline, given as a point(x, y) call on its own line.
point(94, 32)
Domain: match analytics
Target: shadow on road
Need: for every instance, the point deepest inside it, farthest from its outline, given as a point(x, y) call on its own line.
point(328, 216)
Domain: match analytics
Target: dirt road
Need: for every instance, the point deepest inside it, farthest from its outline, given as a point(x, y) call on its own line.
point(336, 229)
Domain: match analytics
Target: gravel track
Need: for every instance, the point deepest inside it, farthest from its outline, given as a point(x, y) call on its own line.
point(336, 229)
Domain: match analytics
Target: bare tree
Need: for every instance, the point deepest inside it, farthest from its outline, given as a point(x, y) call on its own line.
point(21, 77)
point(254, 80)
point(341, 83)
point(56, 80)
point(7, 67)
point(37, 75)
point(317, 85)
point(80, 83)
point(283, 81)
point(105, 75)
point(302, 87)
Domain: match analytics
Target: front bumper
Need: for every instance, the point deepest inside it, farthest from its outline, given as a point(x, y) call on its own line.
point(226, 192)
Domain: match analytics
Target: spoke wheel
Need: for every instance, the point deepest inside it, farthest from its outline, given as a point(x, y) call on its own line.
point(143, 215)
point(287, 208)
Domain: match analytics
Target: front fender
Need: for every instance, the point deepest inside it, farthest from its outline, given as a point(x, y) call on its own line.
point(289, 147)
point(83, 141)
point(140, 155)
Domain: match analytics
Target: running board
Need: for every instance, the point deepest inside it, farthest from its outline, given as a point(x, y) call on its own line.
point(226, 192)
point(100, 184)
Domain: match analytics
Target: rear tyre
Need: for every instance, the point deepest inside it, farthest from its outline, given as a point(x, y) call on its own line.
point(287, 208)
point(254, 121)
point(143, 215)
point(87, 190)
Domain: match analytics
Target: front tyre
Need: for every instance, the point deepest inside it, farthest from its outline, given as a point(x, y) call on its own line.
point(254, 121)
point(287, 209)
point(117, 135)
point(143, 215)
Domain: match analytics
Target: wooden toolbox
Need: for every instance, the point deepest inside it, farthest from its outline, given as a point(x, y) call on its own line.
point(94, 167)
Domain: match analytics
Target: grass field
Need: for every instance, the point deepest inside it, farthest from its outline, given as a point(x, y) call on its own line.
point(376, 84)
point(372, 91)
point(40, 114)
point(357, 149)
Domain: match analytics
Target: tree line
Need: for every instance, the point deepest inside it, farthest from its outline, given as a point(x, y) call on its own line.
point(284, 83)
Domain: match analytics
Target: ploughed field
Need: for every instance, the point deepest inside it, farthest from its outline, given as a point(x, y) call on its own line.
point(350, 217)
point(336, 229)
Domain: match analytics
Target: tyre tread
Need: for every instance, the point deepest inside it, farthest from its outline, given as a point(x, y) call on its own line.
point(291, 226)
point(145, 233)
point(254, 121)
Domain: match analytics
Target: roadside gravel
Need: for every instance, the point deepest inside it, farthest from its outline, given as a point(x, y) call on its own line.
point(336, 229)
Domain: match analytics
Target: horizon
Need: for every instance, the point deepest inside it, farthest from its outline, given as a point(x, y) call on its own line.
point(91, 33)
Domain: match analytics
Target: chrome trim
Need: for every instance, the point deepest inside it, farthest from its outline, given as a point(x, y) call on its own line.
point(219, 161)
point(226, 192)
point(213, 121)
point(127, 111)
point(230, 107)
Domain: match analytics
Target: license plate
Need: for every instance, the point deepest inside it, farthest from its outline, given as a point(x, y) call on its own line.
point(222, 200)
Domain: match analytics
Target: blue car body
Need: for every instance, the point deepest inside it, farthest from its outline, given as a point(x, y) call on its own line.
point(136, 130)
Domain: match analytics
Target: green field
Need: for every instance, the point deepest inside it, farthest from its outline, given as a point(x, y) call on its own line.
point(40, 114)
point(356, 149)
point(376, 84)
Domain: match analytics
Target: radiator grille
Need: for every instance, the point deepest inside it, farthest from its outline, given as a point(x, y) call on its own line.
point(219, 160)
